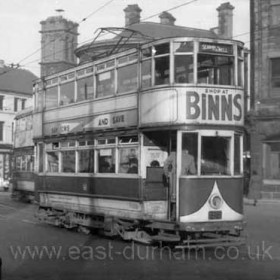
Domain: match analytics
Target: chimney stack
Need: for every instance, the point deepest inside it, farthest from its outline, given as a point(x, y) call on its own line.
point(167, 18)
point(132, 14)
point(225, 28)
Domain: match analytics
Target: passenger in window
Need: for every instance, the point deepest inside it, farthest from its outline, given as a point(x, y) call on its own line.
point(188, 163)
point(105, 165)
point(132, 162)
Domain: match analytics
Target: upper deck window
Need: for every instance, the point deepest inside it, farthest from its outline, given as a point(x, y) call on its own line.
point(51, 97)
point(67, 93)
point(215, 69)
point(105, 83)
point(215, 64)
point(162, 64)
point(183, 47)
point(85, 88)
point(127, 78)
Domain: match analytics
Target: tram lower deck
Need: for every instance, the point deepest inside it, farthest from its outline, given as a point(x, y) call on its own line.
point(158, 198)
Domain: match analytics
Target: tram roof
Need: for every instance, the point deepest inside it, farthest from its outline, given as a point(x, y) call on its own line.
point(160, 31)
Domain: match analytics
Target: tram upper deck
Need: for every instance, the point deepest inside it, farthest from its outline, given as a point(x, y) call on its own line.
point(174, 81)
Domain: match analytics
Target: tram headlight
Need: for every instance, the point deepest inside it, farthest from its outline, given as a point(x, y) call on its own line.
point(215, 201)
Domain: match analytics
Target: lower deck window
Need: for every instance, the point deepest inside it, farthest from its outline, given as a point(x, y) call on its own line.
point(128, 160)
point(215, 155)
point(52, 161)
point(106, 161)
point(86, 161)
point(68, 161)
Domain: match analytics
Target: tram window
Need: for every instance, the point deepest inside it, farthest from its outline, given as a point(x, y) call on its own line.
point(86, 161)
point(82, 143)
point(215, 155)
point(161, 49)
point(18, 163)
point(161, 70)
point(183, 69)
point(105, 83)
point(215, 69)
point(85, 88)
point(67, 93)
point(147, 52)
point(68, 161)
point(29, 163)
point(106, 161)
point(51, 97)
point(189, 154)
point(52, 161)
point(181, 47)
point(237, 155)
point(146, 73)
point(128, 139)
point(41, 157)
point(128, 160)
point(240, 72)
point(127, 78)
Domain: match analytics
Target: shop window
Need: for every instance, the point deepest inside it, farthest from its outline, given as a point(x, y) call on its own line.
point(215, 155)
point(272, 160)
point(105, 83)
point(106, 161)
point(86, 161)
point(67, 93)
point(52, 161)
point(183, 69)
point(127, 78)
point(128, 160)
point(68, 160)
point(85, 88)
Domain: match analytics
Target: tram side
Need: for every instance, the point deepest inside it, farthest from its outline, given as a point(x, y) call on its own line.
point(23, 176)
point(113, 137)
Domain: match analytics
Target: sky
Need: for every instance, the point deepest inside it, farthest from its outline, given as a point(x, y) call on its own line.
point(20, 21)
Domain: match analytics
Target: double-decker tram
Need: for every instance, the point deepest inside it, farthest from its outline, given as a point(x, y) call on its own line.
point(146, 143)
point(23, 171)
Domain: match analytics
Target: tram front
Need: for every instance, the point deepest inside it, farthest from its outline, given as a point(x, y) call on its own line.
point(196, 111)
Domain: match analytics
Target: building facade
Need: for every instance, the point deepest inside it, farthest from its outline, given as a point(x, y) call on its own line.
point(265, 87)
point(15, 95)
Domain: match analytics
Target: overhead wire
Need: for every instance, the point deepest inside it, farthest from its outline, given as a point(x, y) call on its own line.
point(90, 40)
point(67, 30)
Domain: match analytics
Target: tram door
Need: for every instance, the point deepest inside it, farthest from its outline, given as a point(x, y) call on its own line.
point(187, 156)
point(160, 153)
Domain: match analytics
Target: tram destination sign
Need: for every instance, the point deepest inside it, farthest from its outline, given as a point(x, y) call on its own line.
point(215, 48)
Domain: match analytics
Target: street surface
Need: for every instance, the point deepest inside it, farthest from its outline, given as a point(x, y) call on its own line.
point(31, 250)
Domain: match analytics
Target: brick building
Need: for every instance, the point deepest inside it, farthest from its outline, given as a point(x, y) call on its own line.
point(265, 88)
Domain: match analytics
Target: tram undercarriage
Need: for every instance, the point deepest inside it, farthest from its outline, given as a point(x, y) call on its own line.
point(175, 234)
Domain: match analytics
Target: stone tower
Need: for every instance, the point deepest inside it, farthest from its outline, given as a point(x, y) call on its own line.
point(59, 39)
